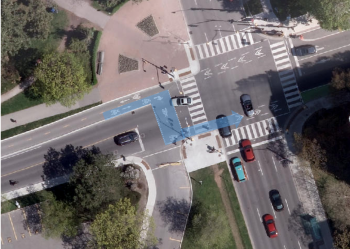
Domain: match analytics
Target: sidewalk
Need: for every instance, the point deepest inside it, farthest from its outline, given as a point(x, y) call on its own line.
point(268, 21)
point(304, 181)
point(42, 111)
point(83, 9)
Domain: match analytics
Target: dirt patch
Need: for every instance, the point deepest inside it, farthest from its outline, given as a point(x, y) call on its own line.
point(142, 188)
point(225, 200)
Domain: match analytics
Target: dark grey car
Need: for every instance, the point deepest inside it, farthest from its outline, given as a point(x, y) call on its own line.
point(223, 126)
point(304, 50)
point(247, 105)
point(126, 138)
point(276, 200)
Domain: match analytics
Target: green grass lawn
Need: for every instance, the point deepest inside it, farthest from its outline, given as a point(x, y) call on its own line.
point(253, 7)
point(31, 126)
point(283, 8)
point(243, 232)
point(17, 103)
point(315, 93)
point(207, 200)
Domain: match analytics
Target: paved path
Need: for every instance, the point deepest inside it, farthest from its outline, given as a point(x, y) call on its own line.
point(42, 111)
point(13, 92)
point(83, 9)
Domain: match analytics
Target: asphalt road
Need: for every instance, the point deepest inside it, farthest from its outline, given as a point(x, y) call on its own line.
point(333, 50)
point(173, 188)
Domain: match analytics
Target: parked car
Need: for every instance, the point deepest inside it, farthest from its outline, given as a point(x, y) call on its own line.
point(248, 150)
point(304, 50)
point(270, 226)
point(183, 100)
point(276, 200)
point(126, 138)
point(223, 126)
point(247, 105)
point(238, 169)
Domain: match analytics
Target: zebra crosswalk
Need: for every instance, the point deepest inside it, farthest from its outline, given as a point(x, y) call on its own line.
point(224, 45)
point(286, 74)
point(252, 131)
point(190, 89)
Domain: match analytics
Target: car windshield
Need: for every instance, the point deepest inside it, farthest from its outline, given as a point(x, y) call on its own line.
point(249, 106)
point(189, 100)
point(273, 232)
point(276, 196)
point(269, 222)
point(237, 164)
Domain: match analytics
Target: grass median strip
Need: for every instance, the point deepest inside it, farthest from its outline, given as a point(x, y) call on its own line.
point(209, 222)
point(315, 93)
point(36, 124)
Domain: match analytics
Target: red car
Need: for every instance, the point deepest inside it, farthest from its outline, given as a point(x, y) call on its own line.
point(270, 226)
point(248, 150)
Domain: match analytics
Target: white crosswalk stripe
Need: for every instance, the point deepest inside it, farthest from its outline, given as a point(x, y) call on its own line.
point(253, 131)
point(224, 45)
point(197, 112)
point(286, 74)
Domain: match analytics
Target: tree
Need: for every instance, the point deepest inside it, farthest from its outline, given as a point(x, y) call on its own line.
point(332, 15)
point(341, 79)
point(120, 226)
point(60, 78)
point(96, 183)
point(13, 21)
point(337, 202)
point(310, 150)
point(342, 239)
point(39, 20)
point(58, 218)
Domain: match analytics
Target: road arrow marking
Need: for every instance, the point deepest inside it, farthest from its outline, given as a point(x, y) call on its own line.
point(258, 52)
point(208, 73)
point(224, 66)
point(241, 59)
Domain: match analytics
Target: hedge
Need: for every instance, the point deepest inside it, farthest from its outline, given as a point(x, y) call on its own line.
point(94, 56)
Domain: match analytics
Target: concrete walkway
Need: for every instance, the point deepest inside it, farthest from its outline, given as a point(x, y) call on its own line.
point(13, 92)
point(42, 111)
point(83, 9)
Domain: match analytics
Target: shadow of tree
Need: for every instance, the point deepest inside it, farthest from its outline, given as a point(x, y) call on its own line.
point(81, 241)
point(296, 225)
point(174, 213)
point(33, 219)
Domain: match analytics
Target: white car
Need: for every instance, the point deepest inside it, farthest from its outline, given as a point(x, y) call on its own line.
point(179, 101)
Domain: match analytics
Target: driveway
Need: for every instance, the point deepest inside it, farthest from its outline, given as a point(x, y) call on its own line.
point(121, 36)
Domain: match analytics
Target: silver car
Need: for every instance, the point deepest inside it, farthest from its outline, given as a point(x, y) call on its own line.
point(247, 105)
point(179, 101)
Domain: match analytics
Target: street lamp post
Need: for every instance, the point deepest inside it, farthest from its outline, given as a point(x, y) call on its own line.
point(163, 69)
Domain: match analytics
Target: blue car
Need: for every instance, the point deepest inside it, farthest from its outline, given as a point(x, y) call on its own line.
point(238, 169)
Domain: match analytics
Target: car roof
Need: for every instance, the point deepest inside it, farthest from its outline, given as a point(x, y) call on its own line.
point(245, 97)
point(240, 172)
point(236, 160)
point(245, 142)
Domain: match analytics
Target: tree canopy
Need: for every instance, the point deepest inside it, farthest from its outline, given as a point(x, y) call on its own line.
point(60, 78)
point(20, 23)
point(341, 79)
point(120, 227)
point(331, 14)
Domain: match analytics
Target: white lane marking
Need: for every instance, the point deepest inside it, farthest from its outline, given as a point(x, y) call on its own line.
point(258, 213)
point(327, 36)
point(206, 37)
point(260, 168)
point(273, 212)
point(287, 206)
point(140, 140)
point(284, 246)
point(309, 31)
point(299, 244)
point(274, 163)
point(162, 151)
point(195, 2)
point(295, 57)
point(19, 153)
point(317, 54)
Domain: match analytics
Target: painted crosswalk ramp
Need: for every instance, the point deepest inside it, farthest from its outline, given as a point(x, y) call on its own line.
point(286, 74)
point(190, 89)
point(224, 45)
point(252, 131)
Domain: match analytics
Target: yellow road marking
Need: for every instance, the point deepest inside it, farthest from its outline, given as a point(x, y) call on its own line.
point(12, 226)
point(175, 239)
point(82, 119)
point(41, 221)
point(10, 145)
point(25, 217)
point(65, 126)
point(23, 169)
point(98, 142)
point(47, 132)
point(2, 242)
point(101, 112)
point(184, 187)
point(29, 139)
